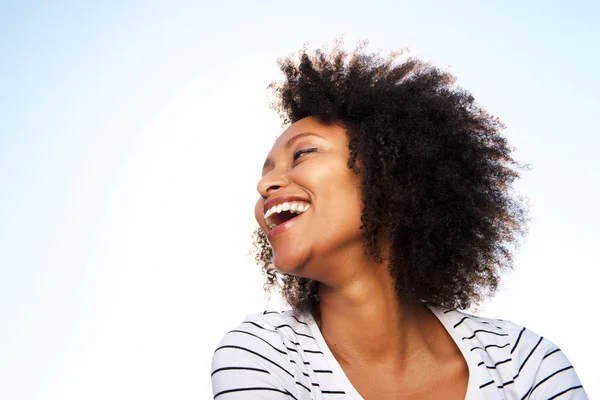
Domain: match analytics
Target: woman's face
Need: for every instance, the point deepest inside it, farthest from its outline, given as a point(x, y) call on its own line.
point(311, 199)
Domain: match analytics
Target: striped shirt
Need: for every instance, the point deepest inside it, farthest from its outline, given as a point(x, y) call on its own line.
point(280, 355)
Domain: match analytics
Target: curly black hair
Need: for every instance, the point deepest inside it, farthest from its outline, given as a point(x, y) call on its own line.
point(436, 174)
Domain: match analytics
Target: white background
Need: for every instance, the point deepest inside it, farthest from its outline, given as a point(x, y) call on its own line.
point(131, 140)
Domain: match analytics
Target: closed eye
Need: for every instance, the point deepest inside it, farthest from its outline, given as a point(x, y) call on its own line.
point(300, 153)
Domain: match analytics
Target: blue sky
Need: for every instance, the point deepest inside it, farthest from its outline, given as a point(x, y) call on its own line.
point(122, 123)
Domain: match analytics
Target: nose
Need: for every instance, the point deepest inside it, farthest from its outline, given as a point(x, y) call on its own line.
point(271, 182)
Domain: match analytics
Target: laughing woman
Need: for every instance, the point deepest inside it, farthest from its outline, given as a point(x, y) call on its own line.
point(385, 207)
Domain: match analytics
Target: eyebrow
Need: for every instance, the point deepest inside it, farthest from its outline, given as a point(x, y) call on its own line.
point(290, 142)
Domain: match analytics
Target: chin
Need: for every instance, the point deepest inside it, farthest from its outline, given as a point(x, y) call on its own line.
point(290, 264)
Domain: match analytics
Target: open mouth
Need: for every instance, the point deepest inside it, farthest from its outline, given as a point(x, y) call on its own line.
point(284, 212)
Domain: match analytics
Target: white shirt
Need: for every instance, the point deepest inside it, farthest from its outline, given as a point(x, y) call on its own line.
point(279, 355)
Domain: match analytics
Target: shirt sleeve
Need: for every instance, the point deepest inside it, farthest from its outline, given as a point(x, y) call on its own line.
point(242, 372)
point(555, 377)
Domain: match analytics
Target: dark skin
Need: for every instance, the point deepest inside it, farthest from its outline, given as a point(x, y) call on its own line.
point(393, 350)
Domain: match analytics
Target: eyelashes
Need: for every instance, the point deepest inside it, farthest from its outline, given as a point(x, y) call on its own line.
point(300, 153)
point(297, 154)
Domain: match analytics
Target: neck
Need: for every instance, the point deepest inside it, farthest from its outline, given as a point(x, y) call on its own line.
point(363, 320)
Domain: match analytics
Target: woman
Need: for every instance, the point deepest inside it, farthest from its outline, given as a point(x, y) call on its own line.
point(384, 207)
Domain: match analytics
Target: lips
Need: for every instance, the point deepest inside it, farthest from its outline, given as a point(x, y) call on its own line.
point(281, 213)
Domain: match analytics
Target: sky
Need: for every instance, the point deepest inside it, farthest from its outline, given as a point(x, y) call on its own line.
point(131, 140)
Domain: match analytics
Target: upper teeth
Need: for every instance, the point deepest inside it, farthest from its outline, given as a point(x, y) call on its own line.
point(293, 207)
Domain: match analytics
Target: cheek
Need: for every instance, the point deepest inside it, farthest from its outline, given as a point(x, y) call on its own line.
point(343, 216)
point(342, 209)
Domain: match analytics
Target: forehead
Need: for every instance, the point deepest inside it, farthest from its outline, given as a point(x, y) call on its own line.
point(304, 128)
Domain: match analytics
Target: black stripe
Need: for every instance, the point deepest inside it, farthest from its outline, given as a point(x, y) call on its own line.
point(305, 362)
point(313, 351)
point(490, 345)
point(307, 388)
point(544, 380)
point(518, 339)
point(565, 391)
point(238, 368)
point(529, 355)
point(275, 348)
point(258, 337)
point(495, 365)
point(332, 392)
point(261, 327)
point(268, 330)
point(322, 371)
point(303, 323)
point(483, 330)
point(277, 312)
point(489, 323)
point(552, 352)
point(506, 384)
point(471, 317)
point(299, 334)
point(486, 384)
point(255, 353)
point(499, 387)
point(460, 322)
point(255, 388)
point(258, 326)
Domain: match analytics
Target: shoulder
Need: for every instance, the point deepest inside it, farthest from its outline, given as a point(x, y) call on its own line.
point(513, 357)
point(488, 331)
point(256, 355)
point(265, 335)
point(270, 328)
point(474, 329)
